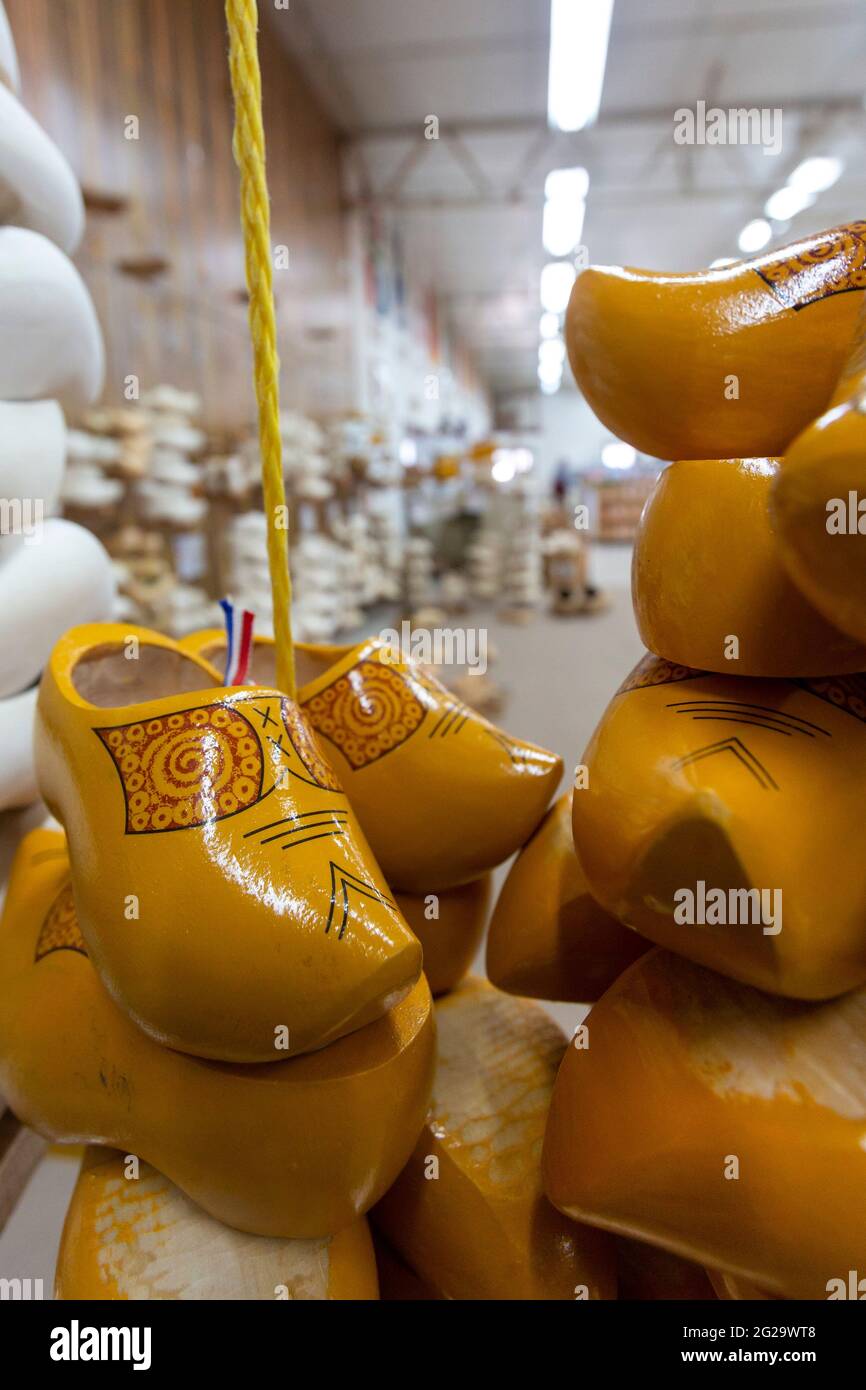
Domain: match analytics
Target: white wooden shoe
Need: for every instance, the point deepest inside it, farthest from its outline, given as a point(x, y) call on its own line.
point(8, 57)
point(64, 578)
point(50, 340)
point(17, 771)
point(37, 187)
point(32, 453)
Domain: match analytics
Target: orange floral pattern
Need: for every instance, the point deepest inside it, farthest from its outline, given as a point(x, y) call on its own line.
point(186, 769)
point(367, 712)
point(825, 265)
point(60, 930)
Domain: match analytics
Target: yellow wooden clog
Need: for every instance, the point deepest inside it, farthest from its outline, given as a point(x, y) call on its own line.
point(467, 1213)
point(818, 502)
point(299, 1148)
point(548, 936)
point(720, 1123)
point(226, 892)
point(442, 794)
point(450, 926)
point(708, 583)
point(733, 361)
point(722, 818)
point(131, 1234)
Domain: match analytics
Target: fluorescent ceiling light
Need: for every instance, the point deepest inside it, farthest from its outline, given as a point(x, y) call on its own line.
point(785, 203)
point(579, 32)
point(548, 325)
point(550, 388)
point(552, 350)
point(566, 185)
point(816, 175)
point(618, 455)
point(562, 225)
point(721, 261)
point(755, 235)
point(557, 278)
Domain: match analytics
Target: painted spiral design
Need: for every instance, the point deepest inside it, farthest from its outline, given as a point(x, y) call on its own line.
point(367, 712)
point(186, 769)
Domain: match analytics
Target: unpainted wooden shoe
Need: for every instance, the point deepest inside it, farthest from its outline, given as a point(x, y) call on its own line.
point(131, 1234)
point(467, 1213)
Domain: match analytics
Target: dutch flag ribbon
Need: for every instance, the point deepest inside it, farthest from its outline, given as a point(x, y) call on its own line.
point(239, 641)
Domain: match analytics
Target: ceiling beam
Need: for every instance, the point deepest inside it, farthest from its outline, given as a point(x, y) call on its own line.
point(626, 115)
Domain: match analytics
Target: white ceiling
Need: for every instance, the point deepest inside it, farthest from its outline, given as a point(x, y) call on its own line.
point(471, 203)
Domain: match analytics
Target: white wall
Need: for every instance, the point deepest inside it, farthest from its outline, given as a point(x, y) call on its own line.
point(569, 430)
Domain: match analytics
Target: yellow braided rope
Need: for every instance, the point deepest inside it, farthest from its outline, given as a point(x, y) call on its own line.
point(249, 152)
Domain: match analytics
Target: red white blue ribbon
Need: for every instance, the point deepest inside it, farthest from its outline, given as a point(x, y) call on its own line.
point(239, 641)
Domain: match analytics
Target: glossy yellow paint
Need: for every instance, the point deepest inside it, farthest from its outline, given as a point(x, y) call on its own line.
point(450, 926)
point(131, 1234)
point(726, 1126)
point(228, 897)
point(734, 361)
point(707, 573)
point(818, 502)
point(481, 1228)
point(297, 1148)
point(442, 794)
point(736, 784)
point(548, 937)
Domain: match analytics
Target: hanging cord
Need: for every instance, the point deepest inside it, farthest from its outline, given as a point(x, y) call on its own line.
point(249, 152)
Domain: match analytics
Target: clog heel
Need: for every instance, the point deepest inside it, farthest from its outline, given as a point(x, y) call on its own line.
point(224, 887)
point(732, 362)
point(297, 1148)
point(467, 1213)
point(442, 794)
point(725, 1126)
point(818, 502)
point(548, 937)
point(722, 820)
point(131, 1234)
point(709, 587)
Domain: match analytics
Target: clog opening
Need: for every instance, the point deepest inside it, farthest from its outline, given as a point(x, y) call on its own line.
point(263, 662)
point(108, 677)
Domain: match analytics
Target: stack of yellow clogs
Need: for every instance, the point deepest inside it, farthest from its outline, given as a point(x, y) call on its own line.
point(713, 1104)
point(208, 973)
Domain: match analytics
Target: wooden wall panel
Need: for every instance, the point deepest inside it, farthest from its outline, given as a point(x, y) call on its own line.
point(87, 65)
